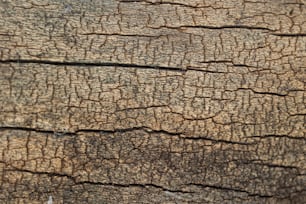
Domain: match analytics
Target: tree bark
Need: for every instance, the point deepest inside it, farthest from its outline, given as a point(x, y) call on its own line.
point(152, 101)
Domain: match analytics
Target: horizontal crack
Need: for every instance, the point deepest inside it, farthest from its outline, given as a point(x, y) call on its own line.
point(277, 136)
point(180, 135)
point(74, 179)
point(229, 189)
point(123, 35)
point(270, 31)
point(216, 27)
point(91, 64)
point(260, 162)
point(199, 69)
point(143, 107)
point(217, 61)
point(276, 166)
point(145, 185)
point(263, 92)
point(297, 114)
point(233, 27)
point(147, 129)
point(58, 132)
point(166, 3)
point(37, 130)
point(51, 174)
point(105, 64)
point(218, 140)
point(290, 34)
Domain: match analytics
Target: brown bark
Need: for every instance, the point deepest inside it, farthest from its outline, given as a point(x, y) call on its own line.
point(152, 101)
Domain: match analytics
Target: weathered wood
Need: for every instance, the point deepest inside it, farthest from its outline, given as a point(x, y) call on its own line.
point(152, 101)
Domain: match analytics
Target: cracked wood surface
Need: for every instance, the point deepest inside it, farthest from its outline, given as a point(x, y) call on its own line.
point(152, 101)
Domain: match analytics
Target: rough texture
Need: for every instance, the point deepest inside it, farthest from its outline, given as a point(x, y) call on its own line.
point(152, 101)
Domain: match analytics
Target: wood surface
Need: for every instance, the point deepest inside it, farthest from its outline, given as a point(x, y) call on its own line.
point(152, 101)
